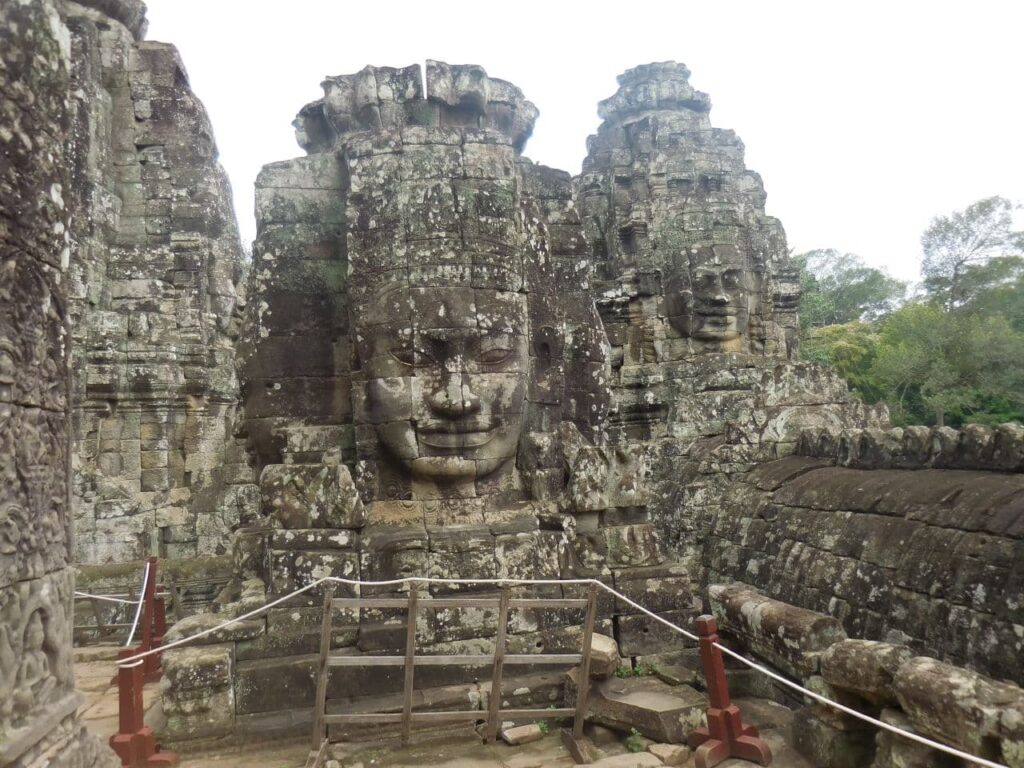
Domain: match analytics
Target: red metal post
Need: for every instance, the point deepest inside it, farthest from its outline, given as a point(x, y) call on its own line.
point(726, 736)
point(135, 742)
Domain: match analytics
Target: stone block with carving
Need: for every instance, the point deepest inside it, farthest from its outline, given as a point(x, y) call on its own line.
point(957, 705)
point(311, 496)
point(864, 667)
point(792, 638)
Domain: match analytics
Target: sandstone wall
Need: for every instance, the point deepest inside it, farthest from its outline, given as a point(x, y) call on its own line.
point(698, 298)
point(871, 531)
point(38, 703)
point(155, 261)
point(922, 695)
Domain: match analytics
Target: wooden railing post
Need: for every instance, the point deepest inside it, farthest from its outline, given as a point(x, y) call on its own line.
point(583, 688)
point(494, 703)
point(319, 728)
point(410, 663)
point(726, 736)
point(151, 668)
point(135, 742)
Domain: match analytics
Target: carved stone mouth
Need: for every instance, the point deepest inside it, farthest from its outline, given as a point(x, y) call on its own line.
point(456, 426)
point(456, 440)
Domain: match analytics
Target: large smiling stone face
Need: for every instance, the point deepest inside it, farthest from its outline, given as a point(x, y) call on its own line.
point(446, 376)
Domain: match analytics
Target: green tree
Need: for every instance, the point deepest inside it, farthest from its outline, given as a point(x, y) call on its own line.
point(971, 251)
point(840, 288)
point(851, 348)
point(937, 366)
point(997, 288)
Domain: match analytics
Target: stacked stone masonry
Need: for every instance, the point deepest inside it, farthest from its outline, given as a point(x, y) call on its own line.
point(428, 390)
point(38, 703)
point(887, 681)
point(155, 266)
point(869, 528)
point(454, 362)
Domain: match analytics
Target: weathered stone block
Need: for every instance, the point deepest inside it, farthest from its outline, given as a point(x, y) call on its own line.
point(864, 667)
point(311, 496)
point(830, 747)
point(956, 705)
point(791, 638)
point(664, 713)
point(203, 669)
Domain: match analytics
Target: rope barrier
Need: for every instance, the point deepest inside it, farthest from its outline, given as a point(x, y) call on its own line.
point(139, 658)
point(108, 598)
point(138, 609)
point(866, 718)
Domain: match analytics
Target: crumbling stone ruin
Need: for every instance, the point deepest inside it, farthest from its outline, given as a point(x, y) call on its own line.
point(38, 702)
point(153, 283)
point(419, 289)
point(446, 360)
point(699, 303)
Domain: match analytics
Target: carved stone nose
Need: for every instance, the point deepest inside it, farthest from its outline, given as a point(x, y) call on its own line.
point(454, 397)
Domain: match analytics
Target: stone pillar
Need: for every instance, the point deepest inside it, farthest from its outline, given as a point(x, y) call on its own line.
point(38, 703)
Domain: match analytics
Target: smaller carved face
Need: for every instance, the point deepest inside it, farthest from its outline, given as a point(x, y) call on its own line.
point(35, 632)
point(446, 387)
point(720, 310)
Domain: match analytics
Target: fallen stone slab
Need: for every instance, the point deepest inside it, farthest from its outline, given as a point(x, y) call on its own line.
point(670, 754)
point(522, 734)
point(662, 712)
point(632, 760)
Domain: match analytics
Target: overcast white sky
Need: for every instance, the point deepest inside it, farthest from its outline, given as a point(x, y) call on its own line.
point(866, 119)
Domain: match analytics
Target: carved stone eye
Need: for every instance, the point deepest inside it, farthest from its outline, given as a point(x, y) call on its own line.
point(412, 356)
point(495, 355)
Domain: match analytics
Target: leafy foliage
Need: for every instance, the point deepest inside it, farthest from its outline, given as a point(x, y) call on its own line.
point(952, 356)
point(950, 367)
point(851, 348)
point(643, 669)
point(635, 742)
point(840, 288)
point(964, 252)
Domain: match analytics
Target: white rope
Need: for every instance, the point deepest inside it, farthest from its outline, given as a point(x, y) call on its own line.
point(137, 659)
point(106, 598)
point(866, 718)
point(138, 609)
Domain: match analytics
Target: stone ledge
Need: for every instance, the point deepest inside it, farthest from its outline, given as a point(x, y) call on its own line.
point(995, 449)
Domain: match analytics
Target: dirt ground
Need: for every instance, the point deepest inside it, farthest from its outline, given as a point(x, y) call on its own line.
point(94, 672)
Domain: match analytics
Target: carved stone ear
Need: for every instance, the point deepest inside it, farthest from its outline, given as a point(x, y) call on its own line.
point(548, 344)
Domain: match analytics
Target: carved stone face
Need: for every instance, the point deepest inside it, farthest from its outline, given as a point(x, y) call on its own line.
point(710, 301)
point(35, 633)
point(446, 379)
point(720, 311)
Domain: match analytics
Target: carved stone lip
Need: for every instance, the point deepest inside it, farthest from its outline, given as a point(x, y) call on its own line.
point(718, 311)
point(457, 440)
point(459, 426)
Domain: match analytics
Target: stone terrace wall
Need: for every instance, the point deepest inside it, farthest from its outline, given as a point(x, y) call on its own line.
point(38, 703)
point(887, 681)
point(898, 549)
point(155, 262)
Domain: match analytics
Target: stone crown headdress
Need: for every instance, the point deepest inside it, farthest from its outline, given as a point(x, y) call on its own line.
point(389, 98)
